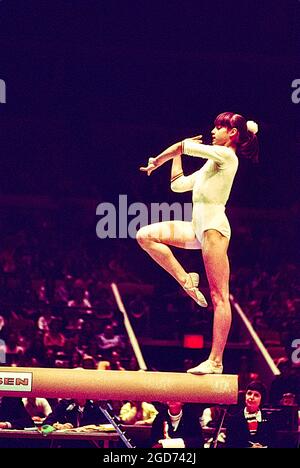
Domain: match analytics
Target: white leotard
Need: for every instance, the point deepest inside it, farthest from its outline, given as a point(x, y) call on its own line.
point(211, 186)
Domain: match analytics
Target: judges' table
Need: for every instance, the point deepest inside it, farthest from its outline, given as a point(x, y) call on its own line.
point(96, 438)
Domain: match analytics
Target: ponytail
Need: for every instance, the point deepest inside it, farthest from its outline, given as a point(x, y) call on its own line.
point(247, 148)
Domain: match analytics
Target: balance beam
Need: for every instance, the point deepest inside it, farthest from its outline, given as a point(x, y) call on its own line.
point(118, 385)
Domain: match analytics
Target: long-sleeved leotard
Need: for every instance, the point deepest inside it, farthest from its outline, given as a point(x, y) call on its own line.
point(211, 186)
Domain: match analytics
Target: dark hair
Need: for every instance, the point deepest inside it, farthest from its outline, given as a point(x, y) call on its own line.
point(247, 145)
point(258, 387)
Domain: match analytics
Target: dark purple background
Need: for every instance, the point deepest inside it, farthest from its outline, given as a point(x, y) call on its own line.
point(95, 87)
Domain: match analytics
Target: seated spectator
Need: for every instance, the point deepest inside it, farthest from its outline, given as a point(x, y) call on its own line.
point(112, 363)
point(139, 315)
point(75, 361)
point(13, 414)
point(210, 416)
point(93, 350)
point(80, 299)
point(137, 412)
point(71, 413)
point(79, 307)
point(88, 362)
point(63, 289)
point(287, 416)
point(245, 376)
point(177, 421)
point(252, 427)
point(288, 399)
point(103, 302)
point(108, 340)
point(85, 336)
point(12, 349)
point(38, 408)
point(37, 350)
point(284, 383)
point(211, 421)
point(44, 320)
point(54, 338)
point(2, 326)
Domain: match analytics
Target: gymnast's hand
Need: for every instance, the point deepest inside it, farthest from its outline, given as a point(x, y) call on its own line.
point(197, 138)
point(153, 164)
point(170, 153)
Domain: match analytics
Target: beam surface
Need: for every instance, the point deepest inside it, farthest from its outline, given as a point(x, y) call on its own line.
point(118, 385)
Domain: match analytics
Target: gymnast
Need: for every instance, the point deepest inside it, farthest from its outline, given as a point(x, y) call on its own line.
point(232, 137)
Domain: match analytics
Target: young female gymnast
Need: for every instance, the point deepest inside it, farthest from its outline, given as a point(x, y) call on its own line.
point(232, 138)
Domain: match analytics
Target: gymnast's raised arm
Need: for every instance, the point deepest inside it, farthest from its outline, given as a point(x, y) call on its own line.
point(170, 153)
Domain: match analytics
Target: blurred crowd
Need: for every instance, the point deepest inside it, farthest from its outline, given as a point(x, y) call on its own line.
point(57, 308)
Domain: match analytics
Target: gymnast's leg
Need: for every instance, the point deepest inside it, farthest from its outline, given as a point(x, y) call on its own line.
point(155, 240)
point(214, 252)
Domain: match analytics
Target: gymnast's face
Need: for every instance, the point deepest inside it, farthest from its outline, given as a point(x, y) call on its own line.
point(223, 136)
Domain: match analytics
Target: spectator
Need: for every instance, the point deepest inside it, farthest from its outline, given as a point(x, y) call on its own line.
point(80, 299)
point(211, 420)
point(137, 412)
point(54, 338)
point(38, 408)
point(13, 350)
point(85, 336)
point(2, 325)
point(113, 362)
point(252, 427)
point(44, 320)
point(88, 362)
point(177, 421)
point(71, 413)
point(108, 340)
point(284, 383)
point(13, 414)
